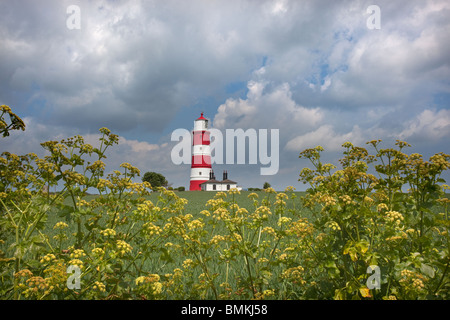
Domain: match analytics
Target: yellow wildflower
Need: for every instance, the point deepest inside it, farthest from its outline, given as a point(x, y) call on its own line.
point(60, 225)
point(289, 188)
point(48, 258)
point(108, 233)
point(253, 196)
point(123, 247)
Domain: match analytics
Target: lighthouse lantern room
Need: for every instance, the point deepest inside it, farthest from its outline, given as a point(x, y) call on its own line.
point(201, 154)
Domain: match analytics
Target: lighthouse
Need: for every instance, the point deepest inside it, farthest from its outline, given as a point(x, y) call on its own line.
point(201, 154)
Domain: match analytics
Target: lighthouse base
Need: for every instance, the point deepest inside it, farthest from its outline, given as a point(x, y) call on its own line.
point(195, 185)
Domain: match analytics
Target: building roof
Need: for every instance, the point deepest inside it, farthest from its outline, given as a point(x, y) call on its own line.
point(223, 181)
point(229, 181)
point(210, 181)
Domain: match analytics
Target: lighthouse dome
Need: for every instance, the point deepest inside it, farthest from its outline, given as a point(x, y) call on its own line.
point(201, 117)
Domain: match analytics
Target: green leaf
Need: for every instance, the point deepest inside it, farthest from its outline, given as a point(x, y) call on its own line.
point(33, 263)
point(427, 270)
point(65, 211)
point(108, 268)
point(362, 246)
point(339, 294)
point(37, 240)
point(20, 250)
point(265, 275)
point(165, 255)
point(330, 264)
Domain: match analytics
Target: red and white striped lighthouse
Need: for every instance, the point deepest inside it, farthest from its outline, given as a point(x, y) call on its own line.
point(201, 154)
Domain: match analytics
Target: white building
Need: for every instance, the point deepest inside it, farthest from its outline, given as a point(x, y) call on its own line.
point(214, 185)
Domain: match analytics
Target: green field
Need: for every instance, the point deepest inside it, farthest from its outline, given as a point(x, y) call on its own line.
point(197, 200)
point(162, 261)
point(196, 203)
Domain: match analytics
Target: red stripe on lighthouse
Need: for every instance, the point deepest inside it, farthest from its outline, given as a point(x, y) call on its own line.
point(195, 185)
point(201, 161)
point(201, 138)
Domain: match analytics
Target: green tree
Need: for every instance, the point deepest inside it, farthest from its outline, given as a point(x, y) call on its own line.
point(155, 179)
point(266, 185)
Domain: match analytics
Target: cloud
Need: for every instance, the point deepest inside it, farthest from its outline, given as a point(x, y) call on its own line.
point(139, 146)
point(309, 68)
point(430, 125)
point(132, 64)
point(326, 137)
point(266, 108)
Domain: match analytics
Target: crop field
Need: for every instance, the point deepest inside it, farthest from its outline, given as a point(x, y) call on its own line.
point(169, 251)
point(375, 228)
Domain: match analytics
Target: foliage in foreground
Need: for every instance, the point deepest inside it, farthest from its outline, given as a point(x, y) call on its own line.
point(128, 247)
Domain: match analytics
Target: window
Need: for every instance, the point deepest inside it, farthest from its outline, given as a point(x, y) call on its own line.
point(214, 187)
point(199, 173)
point(228, 187)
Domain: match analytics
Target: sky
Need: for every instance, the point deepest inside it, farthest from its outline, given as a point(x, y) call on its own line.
point(321, 72)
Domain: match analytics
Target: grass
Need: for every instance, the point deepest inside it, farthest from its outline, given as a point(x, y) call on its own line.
point(196, 203)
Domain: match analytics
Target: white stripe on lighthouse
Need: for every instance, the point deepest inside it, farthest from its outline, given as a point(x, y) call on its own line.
point(200, 173)
point(198, 150)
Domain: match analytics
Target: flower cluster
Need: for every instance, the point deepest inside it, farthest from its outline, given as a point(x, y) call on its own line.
point(412, 281)
point(394, 217)
point(47, 258)
point(295, 275)
point(149, 286)
point(76, 262)
point(60, 225)
point(333, 225)
point(77, 254)
point(151, 229)
point(108, 233)
point(346, 199)
point(99, 286)
point(98, 252)
point(123, 247)
point(217, 239)
point(382, 207)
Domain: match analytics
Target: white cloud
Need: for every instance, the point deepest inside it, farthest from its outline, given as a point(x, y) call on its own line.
point(266, 108)
point(139, 146)
point(326, 84)
point(430, 125)
point(326, 137)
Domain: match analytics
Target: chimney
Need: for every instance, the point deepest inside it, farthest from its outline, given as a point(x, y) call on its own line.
point(225, 175)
